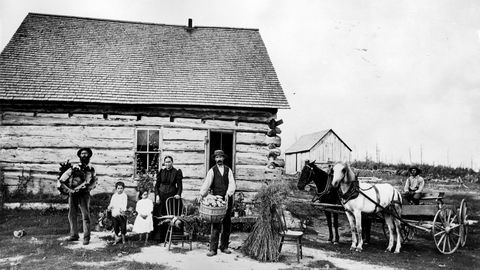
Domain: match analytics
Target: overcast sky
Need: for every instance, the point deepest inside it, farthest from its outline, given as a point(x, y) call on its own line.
point(400, 75)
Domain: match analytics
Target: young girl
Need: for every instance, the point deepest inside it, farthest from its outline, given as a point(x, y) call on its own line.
point(144, 221)
point(118, 206)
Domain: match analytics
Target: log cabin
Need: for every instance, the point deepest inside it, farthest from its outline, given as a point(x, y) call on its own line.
point(134, 93)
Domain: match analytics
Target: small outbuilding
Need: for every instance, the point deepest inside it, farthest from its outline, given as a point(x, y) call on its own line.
point(324, 147)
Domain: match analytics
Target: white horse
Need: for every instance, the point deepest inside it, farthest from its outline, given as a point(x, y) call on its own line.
point(381, 198)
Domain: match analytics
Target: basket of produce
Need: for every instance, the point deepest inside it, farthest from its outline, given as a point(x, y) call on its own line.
point(213, 208)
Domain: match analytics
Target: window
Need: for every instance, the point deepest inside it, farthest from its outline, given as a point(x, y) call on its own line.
point(147, 151)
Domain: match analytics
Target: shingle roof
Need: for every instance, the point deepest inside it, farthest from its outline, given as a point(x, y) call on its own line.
point(60, 58)
point(307, 142)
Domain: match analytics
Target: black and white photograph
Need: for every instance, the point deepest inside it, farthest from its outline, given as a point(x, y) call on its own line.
point(256, 134)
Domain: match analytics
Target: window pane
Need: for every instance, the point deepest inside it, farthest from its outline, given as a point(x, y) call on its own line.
point(141, 160)
point(153, 140)
point(141, 140)
point(153, 163)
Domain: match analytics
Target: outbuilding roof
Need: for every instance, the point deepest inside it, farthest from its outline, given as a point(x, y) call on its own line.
point(72, 59)
point(308, 141)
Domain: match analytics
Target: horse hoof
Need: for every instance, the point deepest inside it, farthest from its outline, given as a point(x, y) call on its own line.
point(336, 243)
point(396, 252)
point(388, 250)
point(359, 249)
point(352, 248)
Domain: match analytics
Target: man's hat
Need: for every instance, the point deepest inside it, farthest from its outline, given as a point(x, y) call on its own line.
point(414, 168)
point(89, 151)
point(219, 153)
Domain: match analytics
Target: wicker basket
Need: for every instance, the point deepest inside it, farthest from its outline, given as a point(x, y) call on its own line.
point(212, 214)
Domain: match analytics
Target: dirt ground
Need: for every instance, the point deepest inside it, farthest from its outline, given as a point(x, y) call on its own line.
point(44, 246)
point(420, 252)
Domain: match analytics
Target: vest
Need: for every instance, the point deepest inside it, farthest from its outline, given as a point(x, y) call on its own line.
point(220, 182)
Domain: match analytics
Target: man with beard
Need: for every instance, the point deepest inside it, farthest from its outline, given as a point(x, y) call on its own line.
point(79, 180)
point(220, 181)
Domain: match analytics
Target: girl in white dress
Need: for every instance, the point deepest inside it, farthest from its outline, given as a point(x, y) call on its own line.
point(144, 221)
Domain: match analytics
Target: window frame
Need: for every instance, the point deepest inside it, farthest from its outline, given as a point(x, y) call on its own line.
point(147, 152)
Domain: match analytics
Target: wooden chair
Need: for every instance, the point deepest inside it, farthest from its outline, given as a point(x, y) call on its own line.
point(295, 237)
point(176, 208)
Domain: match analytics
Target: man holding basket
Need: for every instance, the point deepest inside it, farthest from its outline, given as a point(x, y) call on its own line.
point(220, 181)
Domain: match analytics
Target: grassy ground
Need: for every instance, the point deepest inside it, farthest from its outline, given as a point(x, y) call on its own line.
point(45, 251)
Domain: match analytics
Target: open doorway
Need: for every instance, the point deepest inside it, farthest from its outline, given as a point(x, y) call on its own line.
point(221, 141)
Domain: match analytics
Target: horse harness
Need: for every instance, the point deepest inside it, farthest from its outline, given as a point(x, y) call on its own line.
point(318, 196)
point(354, 190)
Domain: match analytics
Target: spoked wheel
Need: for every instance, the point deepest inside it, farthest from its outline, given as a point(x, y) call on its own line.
point(463, 220)
point(447, 231)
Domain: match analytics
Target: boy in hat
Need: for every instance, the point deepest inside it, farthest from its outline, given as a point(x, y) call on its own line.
point(414, 186)
point(220, 181)
point(79, 181)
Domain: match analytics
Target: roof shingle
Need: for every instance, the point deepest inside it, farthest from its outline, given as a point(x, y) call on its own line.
point(62, 58)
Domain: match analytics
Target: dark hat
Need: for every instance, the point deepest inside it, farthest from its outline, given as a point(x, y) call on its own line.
point(219, 153)
point(90, 153)
point(414, 168)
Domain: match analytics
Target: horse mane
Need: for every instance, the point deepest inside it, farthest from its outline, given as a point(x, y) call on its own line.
point(349, 174)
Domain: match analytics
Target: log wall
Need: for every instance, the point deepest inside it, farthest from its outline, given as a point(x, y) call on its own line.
point(35, 143)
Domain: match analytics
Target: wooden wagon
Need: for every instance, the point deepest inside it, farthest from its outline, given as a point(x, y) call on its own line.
point(448, 224)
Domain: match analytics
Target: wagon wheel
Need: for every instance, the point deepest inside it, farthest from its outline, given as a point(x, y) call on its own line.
point(447, 231)
point(463, 220)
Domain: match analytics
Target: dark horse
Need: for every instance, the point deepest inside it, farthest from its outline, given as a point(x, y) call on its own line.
point(325, 193)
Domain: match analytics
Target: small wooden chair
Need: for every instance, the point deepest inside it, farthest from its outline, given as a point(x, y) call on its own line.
point(290, 235)
point(176, 208)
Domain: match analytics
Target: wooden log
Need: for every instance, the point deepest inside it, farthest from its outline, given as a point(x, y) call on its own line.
point(219, 124)
point(250, 172)
point(251, 159)
point(73, 141)
point(153, 120)
point(274, 132)
point(114, 170)
point(193, 120)
point(279, 162)
point(275, 140)
point(183, 134)
point(251, 138)
point(193, 171)
point(249, 186)
point(183, 145)
point(260, 127)
point(97, 121)
point(192, 184)
point(49, 156)
point(251, 148)
point(185, 158)
point(227, 113)
point(274, 152)
point(125, 133)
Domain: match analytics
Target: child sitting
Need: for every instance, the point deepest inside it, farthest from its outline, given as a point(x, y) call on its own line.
point(118, 206)
point(144, 221)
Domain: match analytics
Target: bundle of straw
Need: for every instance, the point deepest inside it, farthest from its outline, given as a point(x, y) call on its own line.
point(263, 241)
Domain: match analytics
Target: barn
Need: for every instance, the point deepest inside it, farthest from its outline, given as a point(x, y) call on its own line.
point(134, 93)
point(324, 147)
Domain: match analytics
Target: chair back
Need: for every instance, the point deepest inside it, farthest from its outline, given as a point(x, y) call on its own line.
point(175, 207)
point(281, 219)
